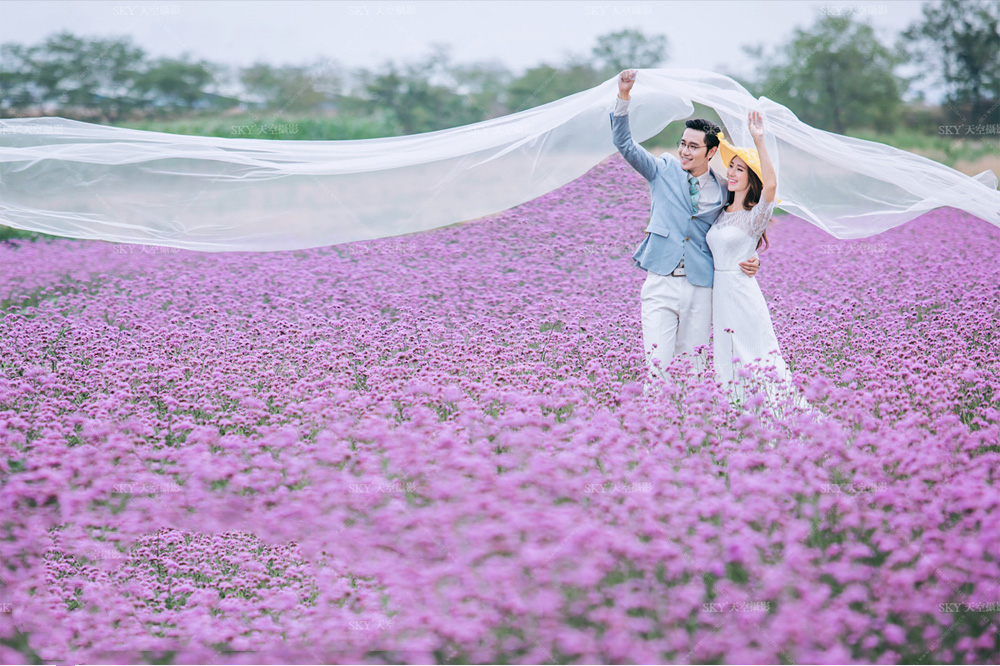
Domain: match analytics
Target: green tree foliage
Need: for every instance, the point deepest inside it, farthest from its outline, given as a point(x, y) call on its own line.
point(178, 82)
point(834, 75)
point(628, 49)
point(110, 76)
point(422, 95)
point(291, 88)
point(612, 53)
point(68, 71)
point(16, 81)
point(959, 43)
point(484, 85)
point(543, 84)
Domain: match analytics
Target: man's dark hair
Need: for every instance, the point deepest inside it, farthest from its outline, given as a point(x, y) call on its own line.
point(709, 128)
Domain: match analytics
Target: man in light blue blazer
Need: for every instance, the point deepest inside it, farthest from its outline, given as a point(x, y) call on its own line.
point(687, 197)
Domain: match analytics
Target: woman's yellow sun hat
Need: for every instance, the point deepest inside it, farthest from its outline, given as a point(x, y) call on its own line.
point(727, 151)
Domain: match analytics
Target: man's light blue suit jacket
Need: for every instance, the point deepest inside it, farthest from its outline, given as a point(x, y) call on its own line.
point(672, 215)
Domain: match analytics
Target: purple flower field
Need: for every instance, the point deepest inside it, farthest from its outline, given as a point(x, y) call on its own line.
point(436, 449)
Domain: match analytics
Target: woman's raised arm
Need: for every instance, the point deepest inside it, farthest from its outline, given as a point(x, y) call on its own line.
point(769, 178)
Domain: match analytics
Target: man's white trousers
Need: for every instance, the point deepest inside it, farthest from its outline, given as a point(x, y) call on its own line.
point(676, 319)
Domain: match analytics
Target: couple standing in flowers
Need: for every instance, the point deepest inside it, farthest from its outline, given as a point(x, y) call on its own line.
point(699, 252)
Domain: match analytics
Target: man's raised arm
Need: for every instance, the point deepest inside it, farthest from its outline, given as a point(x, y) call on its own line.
point(641, 159)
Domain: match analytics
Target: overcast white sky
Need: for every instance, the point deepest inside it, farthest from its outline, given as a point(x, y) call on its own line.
point(520, 34)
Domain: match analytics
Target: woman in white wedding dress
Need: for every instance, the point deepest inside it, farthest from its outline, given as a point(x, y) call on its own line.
point(741, 324)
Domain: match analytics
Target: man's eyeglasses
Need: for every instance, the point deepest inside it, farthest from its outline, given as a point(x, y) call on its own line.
point(692, 146)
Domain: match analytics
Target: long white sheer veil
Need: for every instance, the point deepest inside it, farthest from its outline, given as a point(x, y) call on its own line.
point(83, 180)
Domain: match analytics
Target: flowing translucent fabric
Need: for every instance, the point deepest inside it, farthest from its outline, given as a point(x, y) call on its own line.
point(83, 180)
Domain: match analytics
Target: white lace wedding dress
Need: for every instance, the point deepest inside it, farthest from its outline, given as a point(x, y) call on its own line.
point(741, 324)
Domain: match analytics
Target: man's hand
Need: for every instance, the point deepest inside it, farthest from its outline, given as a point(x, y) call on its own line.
point(750, 266)
point(625, 82)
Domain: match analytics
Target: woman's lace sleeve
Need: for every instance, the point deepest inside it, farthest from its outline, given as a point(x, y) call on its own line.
point(760, 216)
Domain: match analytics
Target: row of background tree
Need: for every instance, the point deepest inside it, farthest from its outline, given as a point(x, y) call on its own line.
point(834, 74)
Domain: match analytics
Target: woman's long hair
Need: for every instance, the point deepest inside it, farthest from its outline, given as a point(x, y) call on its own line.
point(754, 189)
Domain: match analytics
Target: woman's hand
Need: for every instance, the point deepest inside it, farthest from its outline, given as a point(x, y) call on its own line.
point(756, 123)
